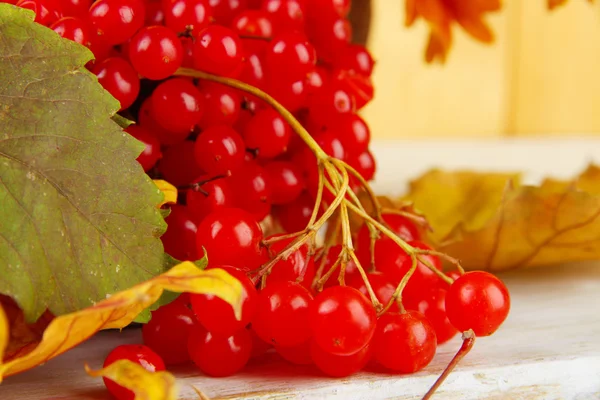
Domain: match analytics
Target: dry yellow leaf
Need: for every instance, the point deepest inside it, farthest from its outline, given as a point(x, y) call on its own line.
point(159, 385)
point(168, 190)
point(490, 222)
point(117, 311)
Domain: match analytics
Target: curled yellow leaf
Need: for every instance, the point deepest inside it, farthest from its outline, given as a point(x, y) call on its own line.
point(169, 191)
point(159, 385)
point(120, 309)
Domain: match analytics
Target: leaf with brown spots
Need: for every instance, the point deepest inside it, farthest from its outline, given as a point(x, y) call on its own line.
point(491, 222)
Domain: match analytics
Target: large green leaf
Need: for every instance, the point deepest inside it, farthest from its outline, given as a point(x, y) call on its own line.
point(78, 217)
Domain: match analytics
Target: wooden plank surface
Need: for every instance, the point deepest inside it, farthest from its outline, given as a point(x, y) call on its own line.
point(549, 347)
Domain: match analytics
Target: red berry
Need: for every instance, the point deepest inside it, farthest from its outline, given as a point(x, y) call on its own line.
point(359, 86)
point(267, 133)
point(351, 269)
point(147, 119)
point(230, 236)
point(342, 320)
point(298, 355)
point(299, 267)
point(155, 52)
point(181, 15)
point(74, 29)
point(288, 15)
point(178, 164)
point(294, 216)
point(46, 12)
point(287, 182)
point(225, 10)
point(330, 37)
point(177, 105)
point(382, 286)
point(282, 314)
point(432, 304)
point(252, 71)
point(254, 23)
point(151, 153)
point(364, 164)
point(290, 54)
point(354, 133)
point(117, 20)
point(331, 102)
point(290, 93)
point(154, 13)
point(404, 343)
point(119, 78)
point(478, 301)
point(220, 150)
point(357, 58)
point(75, 8)
point(222, 104)
point(136, 353)
point(211, 195)
point(216, 315)
point(340, 366)
point(168, 330)
point(180, 238)
point(252, 190)
point(217, 50)
point(218, 355)
point(259, 346)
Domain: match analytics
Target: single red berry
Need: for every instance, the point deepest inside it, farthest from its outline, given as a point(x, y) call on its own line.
point(267, 133)
point(330, 36)
point(222, 104)
point(256, 24)
point(331, 143)
point(117, 20)
point(331, 102)
point(382, 286)
point(151, 153)
point(357, 58)
point(252, 190)
point(355, 134)
point(299, 267)
point(181, 15)
point(138, 354)
point(478, 301)
point(216, 315)
point(282, 314)
point(316, 79)
point(180, 238)
point(220, 150)
point(218, 355)
point(155, 52)
point(146, 118)
point(75, 8)
point(404, 343)
point(294, 216)
point(287, 181)
point(229, 236)
point(177, 105)
point(342, 320)
point(432, 304)
point(119, 78)
point(290, 54)
point(178, 164)
point(288, 15)
point(74, 29)
point(252, 70)
point(210, 195)
point(46, 12)
point(340, 366)
point(225, 10)
point(359, 86)
point(291, 93)
point(298, 355)
point(364, 164)
point(168, 330)
point(217, 50)
point(154, 13)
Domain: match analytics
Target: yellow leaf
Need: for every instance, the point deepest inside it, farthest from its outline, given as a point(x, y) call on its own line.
point(117, 311)
point(168, 190)
point(160, 385)
point(490, 222)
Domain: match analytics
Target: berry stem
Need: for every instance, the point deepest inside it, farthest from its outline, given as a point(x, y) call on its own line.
point(467, 345)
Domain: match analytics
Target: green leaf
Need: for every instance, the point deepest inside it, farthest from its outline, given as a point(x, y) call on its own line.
point(78, 216)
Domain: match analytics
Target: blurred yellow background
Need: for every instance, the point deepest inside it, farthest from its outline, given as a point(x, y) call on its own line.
point(541, 76)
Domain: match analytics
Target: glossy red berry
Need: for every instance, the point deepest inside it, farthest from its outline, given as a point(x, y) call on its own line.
point(331, 102)
point(183, 15)
point(404, 343)
point(478, 301)
point(364, 164)
point(282, 314)
point(46, 12)
point(290, 54)
point(220, 150)
point(218, 355)
point(298, 355)
point(117, 20)
point(256, 24)
point(354, 133)
point(119, 78)
point(180, 238)
point(155, 52)
point(432, 304)
point(209, 196)
point(178, 164)
point(288, 15)
point(177, 105)
point(167, 332)
point(342, 320)
point(146, 118)
point(225, 10)
point(267, 133)
point(299, 267)
point(382, 286)
point(230, 236)
point(340, 366)
point(357, 58)
point(287, 181)
point(216, 315)
point(253, 72)
point(294, 216)
point(330, 37)
point(359, 86)
point(291, 93)
point(252, 190)
point(217, 50)
point(74, 29)
point(222, 104)
point(136, 353)
point(151, 153)
point(154, 13)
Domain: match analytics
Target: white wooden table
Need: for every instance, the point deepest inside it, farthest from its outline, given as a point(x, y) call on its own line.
point(549, 347)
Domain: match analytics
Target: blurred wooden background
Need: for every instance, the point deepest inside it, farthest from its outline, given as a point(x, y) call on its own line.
point(541, 76)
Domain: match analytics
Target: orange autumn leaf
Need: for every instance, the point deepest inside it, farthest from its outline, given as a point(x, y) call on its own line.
point(440, 15)
point(491, 222)
point(168, 190)
point(117, 311)
point(159, 385)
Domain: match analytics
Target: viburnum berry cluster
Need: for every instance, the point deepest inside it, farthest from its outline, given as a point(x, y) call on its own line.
point(250, 108)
